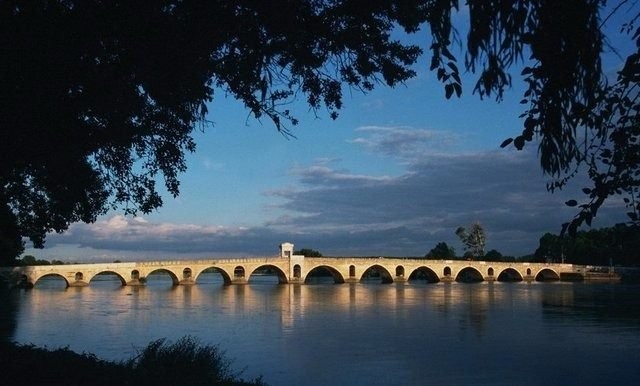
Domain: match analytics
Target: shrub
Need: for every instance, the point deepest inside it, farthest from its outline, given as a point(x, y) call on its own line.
point(159, 363)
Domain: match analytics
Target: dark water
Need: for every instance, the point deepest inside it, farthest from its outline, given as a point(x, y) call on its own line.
point(354, 334)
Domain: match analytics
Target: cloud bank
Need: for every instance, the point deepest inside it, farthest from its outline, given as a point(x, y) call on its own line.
point(343, 212)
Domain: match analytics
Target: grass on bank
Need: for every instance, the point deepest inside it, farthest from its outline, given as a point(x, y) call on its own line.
point(160, 363)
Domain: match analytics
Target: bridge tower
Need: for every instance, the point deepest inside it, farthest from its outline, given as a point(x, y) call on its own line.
point(286, 250)
point(296, 262)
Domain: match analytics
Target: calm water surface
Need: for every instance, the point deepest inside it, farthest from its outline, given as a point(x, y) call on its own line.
point(354, 334)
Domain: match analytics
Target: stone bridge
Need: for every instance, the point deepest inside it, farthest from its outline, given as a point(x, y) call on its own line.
point(297, 269)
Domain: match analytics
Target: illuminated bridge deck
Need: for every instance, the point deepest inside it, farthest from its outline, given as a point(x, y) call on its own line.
point(296, 269)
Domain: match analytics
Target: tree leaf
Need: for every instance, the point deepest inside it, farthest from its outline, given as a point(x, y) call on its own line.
point(519, 142)
point(448, 89)
point(506, 142)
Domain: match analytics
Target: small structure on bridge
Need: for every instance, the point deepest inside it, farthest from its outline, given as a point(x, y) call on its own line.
point(296, 262)
point(286, 250)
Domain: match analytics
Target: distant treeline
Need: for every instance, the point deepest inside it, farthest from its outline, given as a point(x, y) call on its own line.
point(618, 245)
point(31, 260)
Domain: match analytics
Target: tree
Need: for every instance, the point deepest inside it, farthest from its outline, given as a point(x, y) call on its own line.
point(549, 249)
point(619, 245)
point(100, 98)
point(11, 244)
point(580, 119)
point(29, 260)
point(307, 252)
point(474, 240)
point(493, 255)
point(441, 251)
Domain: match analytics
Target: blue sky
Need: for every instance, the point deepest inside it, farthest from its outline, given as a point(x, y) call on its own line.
point(396, 173)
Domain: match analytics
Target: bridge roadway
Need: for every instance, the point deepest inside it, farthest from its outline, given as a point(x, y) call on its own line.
point(295, 269)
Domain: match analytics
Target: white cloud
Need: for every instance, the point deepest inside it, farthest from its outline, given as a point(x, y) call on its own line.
point(135, 233)
point(316, 173)
point(404, 142)
point(209, 164)
point(373, 104)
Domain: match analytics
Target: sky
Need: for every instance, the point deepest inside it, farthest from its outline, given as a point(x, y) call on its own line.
point(398, 172)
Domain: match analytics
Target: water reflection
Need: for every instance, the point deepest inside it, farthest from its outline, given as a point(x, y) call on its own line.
point(607, 303)
point(8, 309)
point(446, 333)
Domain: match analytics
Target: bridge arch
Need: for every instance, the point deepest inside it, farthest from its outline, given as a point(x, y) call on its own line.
point(226, 276)
point(384, 274)
point(469, 275)
point(123, 281)
point(547, 274)
point(338, 269)
point(282, 277)
point(510, 275)
point(424, 273)
point(51, 275)
point(174, 277)
point(337, 276)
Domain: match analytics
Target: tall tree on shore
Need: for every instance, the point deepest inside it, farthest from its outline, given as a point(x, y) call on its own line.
point(100, 98)
point(474, 239)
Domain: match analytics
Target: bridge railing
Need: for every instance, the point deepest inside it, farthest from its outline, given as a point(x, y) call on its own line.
point(261, 259)
point(440, 261)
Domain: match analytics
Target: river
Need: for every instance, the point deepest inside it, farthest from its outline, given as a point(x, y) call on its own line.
point(353, 334)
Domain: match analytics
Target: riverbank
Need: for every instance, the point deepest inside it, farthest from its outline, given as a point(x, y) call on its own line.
point(629, 274)
point(184, 362)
